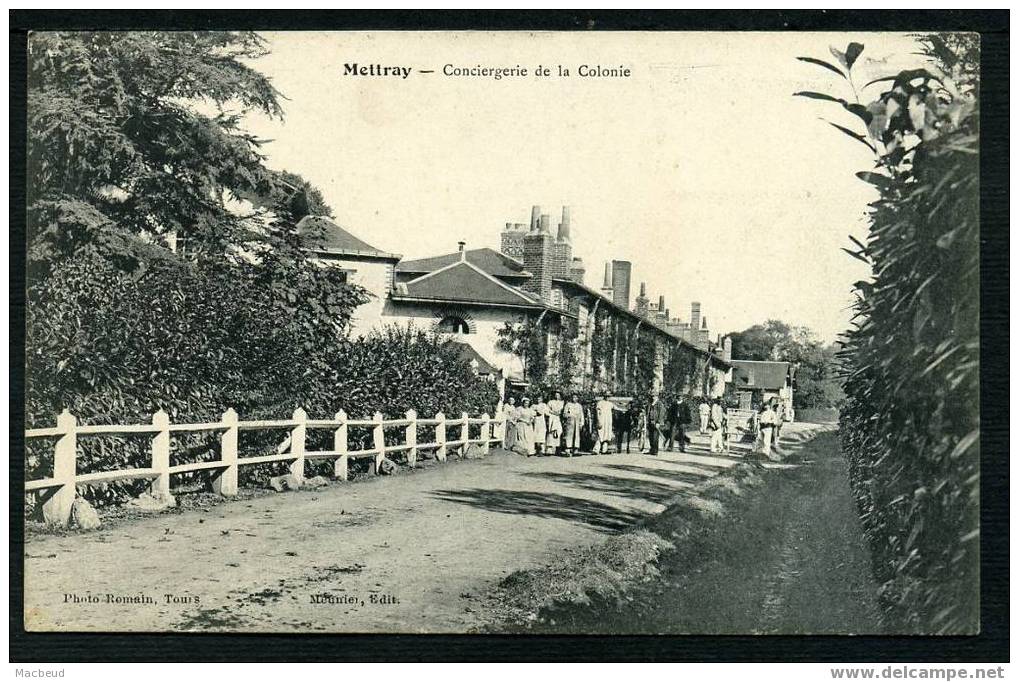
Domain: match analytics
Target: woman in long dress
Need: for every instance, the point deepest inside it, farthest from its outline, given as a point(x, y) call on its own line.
point(554, 436)
point(540, 425)
point(525, 428)
point(509, 413)
point(573, 422)
point(603, 411)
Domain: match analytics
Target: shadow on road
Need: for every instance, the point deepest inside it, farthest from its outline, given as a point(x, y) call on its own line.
point(686, 478)
point(545, 505)
point(617, 486)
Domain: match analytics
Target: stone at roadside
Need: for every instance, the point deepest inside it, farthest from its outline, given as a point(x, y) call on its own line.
point(316, 482)
point(83, 515)
point(287, 482)
point(387, 467)
point(473, 452)
point(152, 502)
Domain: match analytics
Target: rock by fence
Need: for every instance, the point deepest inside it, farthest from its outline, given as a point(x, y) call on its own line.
point(57, 493)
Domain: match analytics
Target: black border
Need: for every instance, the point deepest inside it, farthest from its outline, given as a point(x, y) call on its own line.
point(990, 646)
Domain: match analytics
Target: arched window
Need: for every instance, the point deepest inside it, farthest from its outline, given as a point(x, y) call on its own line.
point(452, 324)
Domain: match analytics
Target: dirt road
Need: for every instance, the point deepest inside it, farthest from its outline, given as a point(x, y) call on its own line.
point(791, 559)
point(394, 554)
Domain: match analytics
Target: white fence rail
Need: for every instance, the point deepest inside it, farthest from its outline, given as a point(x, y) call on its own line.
point(57, 492)
point(742, 424)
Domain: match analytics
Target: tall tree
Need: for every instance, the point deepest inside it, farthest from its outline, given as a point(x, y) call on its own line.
point(818, 383)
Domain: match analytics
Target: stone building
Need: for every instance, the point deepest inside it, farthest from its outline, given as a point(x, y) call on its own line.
point(471, 294)
point(756, 382)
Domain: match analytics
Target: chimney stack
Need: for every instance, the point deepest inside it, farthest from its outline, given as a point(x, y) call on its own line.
point(621, 283)
point(461, 244)
point(564, 226)
point(535, 217)
point(543, 225)
point(704, 322)
point(606, 288)
point(661, 303)
point(577, 270)
point(640, 306)
point(695, 315)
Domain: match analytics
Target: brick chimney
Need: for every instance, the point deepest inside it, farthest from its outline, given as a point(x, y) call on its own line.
point(621, 283)
point(641, 303)
point(538, 255)
point(562, 254)
point(606, 287)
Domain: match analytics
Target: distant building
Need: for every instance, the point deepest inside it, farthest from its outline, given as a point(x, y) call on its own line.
point(695, 330)
point(472, 294)
point(755, 382)
point(362, 263)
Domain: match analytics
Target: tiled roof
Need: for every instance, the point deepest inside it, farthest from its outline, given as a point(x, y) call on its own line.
point(468, 353)
point(491, 261)
point(465, 283)
point(759, 374)
point(319, 233)
point(652, 324)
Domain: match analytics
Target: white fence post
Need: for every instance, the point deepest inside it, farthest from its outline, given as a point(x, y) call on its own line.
point(225, 483)
point(57, 507)
point(161, 455)
point(499, 432)
point(440, 437)
point(465, 433)
point(412, 437)
point(486, 438)
point(379, 439)
point(297, 436)
point(340, 446)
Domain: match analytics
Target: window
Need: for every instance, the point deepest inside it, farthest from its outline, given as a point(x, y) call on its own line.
point(452, 324)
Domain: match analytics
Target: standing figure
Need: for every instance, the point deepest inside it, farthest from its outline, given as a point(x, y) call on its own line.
point(656, 417)
point(509, 413)
point(554, 437)
point(778, 405)
point(716, 425)
point(640, 424)
point(704, 411)
point(573, 422)
point(540, 425)
point(624, 427)
point(603, 412)
point(766, 426)
point(525, 428)
point(680, 419)
point(671, 423)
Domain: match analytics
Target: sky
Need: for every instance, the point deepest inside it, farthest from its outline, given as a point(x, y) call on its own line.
point(700, 168)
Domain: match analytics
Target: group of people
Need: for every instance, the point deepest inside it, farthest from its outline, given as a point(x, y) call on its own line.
point(668, 421)
point(770, 419)
point(557, 426)
point(549, 427)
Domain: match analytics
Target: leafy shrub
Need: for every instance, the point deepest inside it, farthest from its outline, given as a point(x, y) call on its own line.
point(194, 339)
point(910, 424)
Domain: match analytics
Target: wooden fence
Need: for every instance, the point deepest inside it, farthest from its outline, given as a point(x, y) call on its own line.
point(57, 492)
point(742, 424)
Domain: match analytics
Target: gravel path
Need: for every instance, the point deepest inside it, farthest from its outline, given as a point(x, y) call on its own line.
point(791, 559)
point(394, 554)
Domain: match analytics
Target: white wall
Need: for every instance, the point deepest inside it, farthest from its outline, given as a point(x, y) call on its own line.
point(485, 324)
point(373, 275)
